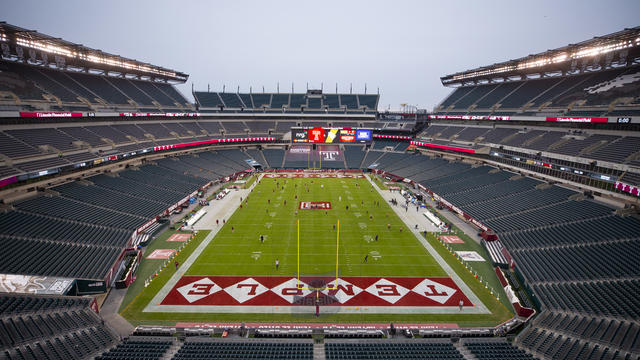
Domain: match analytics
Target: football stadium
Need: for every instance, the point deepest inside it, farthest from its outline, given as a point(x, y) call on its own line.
point(139, 223)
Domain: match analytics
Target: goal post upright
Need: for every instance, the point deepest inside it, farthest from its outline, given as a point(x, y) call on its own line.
point(298, 285)
point(337, 249)
point(298, 221)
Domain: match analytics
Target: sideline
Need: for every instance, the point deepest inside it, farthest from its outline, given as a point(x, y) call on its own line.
point(154, 304)
point(411, 218)
point(220, 209)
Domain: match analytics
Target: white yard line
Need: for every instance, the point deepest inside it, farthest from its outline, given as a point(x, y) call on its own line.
point(225, 209)
point(303, 309)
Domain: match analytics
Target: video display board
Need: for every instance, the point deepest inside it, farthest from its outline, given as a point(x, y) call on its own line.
point(331, 135)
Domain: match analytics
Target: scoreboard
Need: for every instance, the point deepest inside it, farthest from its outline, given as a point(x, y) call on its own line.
point(331, 135)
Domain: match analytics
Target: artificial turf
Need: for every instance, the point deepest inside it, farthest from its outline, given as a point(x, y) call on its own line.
point(272, 211)
point(237, 250)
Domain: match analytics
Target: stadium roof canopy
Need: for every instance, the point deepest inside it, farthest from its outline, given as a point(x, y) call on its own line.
point(618, 49)
point(35, 48)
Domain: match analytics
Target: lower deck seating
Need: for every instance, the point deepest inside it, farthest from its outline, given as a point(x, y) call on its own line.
point(383, 350)
point(491, 350)
point(51, 327)
point(245, 350)
point(138, 348)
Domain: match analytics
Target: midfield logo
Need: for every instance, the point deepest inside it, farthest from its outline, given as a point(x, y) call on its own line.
point(314, 205)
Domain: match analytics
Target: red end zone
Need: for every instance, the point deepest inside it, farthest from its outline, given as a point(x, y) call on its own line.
point(304, 326)
point(315, 175)
point(284, 291)
point(314, 205)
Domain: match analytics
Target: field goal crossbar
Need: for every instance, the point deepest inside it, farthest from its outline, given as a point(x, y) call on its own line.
point(301, 286)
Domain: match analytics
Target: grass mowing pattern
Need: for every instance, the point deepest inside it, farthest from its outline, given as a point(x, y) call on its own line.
point(230, 252)
point(237, 250)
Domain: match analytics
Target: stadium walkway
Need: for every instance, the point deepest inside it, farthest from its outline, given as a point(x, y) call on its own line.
point(455, 220)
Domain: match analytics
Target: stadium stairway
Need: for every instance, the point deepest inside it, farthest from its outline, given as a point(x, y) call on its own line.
point(318, 351)
point(172, 351)
point(463, 350)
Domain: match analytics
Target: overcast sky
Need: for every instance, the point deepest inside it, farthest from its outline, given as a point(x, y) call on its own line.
point(400, 47)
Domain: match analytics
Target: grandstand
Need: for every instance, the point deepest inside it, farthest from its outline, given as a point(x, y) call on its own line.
point(51, 327)
point(33, 85)
point(311, 102)
point(543, 165)
point(561, 84)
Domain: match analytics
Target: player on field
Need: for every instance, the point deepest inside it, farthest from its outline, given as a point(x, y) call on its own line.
point(277, 264)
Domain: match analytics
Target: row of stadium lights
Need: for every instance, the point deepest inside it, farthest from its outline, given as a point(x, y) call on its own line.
point(58, 50)
point(392, 137)
point(215, 141)
point(581, 53)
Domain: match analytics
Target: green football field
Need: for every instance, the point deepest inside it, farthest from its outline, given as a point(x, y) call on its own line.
point(236, 250)
point(272, 211)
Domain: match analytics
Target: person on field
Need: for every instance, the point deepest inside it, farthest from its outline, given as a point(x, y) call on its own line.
point(262, 239)
point(366, 257)
point(277, 264)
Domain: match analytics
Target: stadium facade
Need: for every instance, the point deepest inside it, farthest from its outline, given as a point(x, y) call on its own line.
point(540, 155)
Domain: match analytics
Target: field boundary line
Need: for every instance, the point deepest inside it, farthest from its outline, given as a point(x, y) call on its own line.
point(184, 267)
